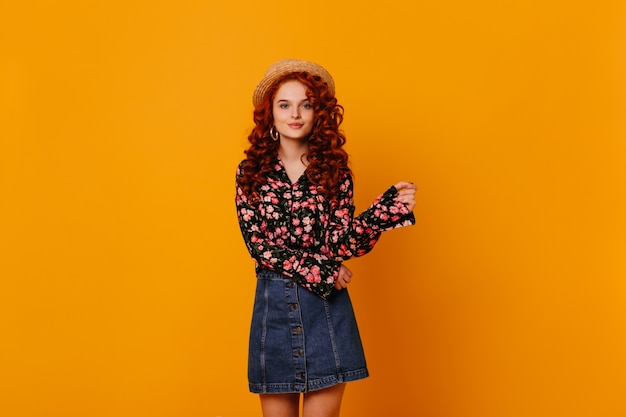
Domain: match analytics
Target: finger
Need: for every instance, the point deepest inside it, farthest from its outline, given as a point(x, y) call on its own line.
point(407, 190)
point(406, 199)
point(405, 185)
point(401, 185)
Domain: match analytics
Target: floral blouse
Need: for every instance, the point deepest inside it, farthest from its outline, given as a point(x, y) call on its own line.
point(292, 229)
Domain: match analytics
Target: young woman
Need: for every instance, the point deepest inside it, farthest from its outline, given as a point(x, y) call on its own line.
point(296, 213)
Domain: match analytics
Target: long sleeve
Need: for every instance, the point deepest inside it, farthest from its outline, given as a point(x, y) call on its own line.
point(293, 230)
point(348, 236)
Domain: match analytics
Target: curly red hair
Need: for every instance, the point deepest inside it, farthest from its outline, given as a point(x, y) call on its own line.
point(327, 159)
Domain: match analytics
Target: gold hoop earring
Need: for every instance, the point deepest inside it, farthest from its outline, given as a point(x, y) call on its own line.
point(275, 135)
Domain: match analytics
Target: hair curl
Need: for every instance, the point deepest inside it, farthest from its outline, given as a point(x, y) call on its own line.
point(327, 160)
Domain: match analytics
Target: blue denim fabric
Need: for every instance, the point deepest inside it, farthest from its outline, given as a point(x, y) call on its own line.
point(300, 342)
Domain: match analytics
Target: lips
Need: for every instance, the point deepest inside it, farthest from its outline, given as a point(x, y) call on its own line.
point(295, 125)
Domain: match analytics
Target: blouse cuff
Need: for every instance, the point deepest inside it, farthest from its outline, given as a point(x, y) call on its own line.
point(325, 285)
point(387, 213)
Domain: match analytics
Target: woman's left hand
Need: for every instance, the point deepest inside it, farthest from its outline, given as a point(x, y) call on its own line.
point(406, 193)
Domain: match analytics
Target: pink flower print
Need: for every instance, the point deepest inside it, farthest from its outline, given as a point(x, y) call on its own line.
point(246, 214)
point(307, 222)
point(288, 217)
point(310, 277)
point(342, 213)
point(294, 262)
point(315, 270)
point(345, 201)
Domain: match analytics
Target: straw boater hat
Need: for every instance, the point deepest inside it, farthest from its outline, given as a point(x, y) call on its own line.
point(280, 68)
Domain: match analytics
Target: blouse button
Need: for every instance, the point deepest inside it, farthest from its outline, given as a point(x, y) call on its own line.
point(291, 284)
point(293, 306)
point(298, 330)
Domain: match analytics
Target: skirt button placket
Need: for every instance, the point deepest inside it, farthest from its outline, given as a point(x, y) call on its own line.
point(297, 335)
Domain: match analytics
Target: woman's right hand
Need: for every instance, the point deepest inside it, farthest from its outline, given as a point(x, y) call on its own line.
point(344, 277)
point(406, 194)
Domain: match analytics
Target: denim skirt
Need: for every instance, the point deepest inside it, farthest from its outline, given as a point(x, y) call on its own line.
point(300, 342)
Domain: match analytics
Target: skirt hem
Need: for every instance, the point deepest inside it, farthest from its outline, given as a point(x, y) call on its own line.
point(312, 385)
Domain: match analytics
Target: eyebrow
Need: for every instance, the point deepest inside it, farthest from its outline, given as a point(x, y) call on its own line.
point(301, 101)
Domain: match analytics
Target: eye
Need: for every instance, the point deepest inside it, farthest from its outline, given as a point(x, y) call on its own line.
point(283, 105)
point(307, 106)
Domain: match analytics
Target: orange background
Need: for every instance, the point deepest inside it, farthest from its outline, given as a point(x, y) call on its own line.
point(126, 289)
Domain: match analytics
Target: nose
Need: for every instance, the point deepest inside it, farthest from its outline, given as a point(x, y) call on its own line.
point(295, 112)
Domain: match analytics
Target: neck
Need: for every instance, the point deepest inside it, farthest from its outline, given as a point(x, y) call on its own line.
point(292, 150)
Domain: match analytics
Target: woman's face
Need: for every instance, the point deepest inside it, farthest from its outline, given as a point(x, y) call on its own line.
point(293, 114)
